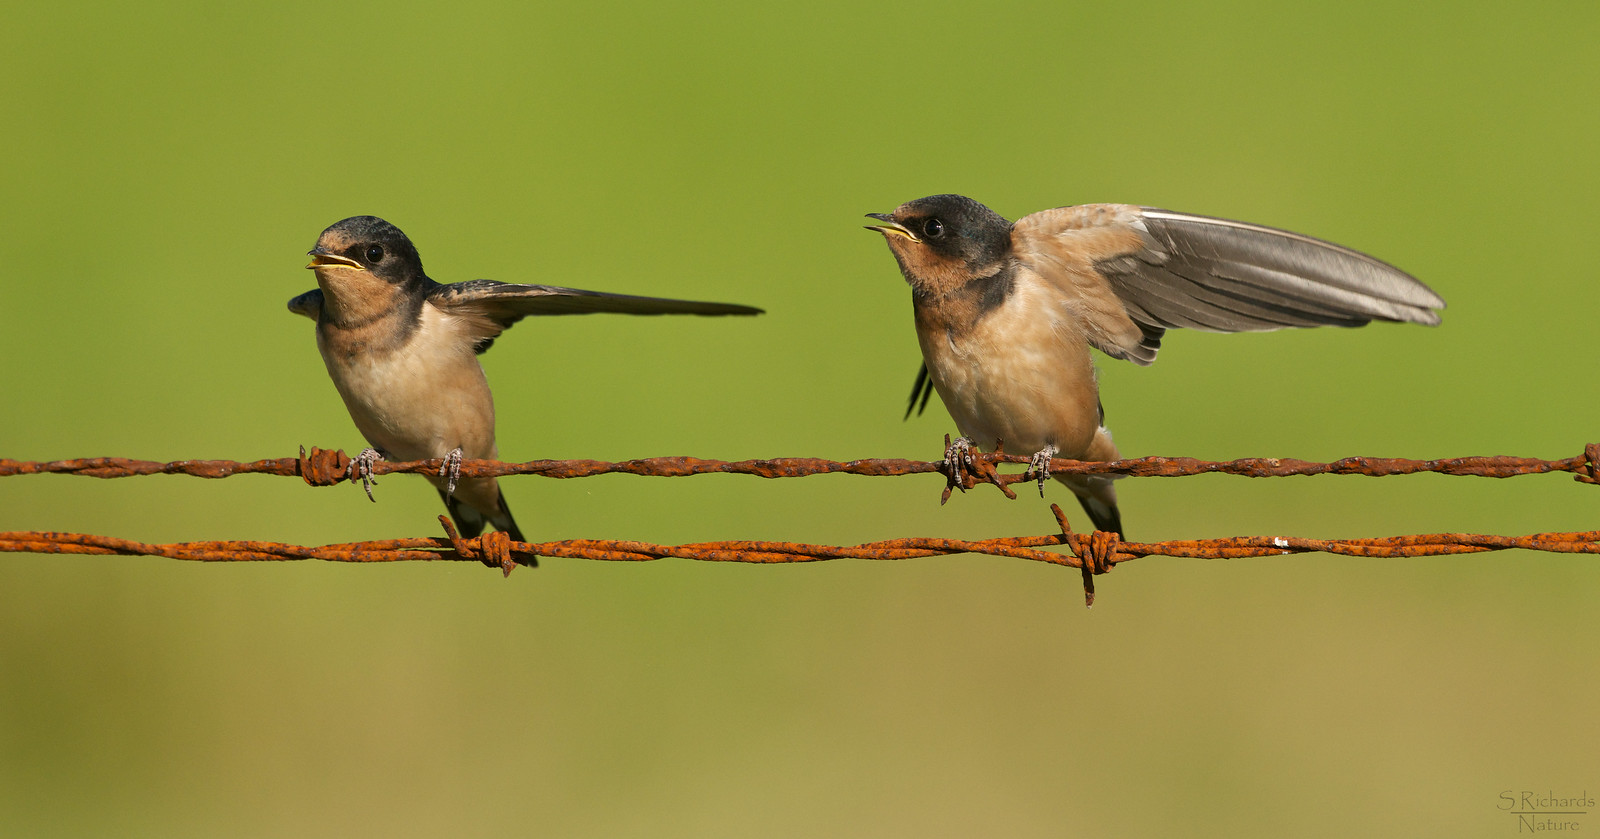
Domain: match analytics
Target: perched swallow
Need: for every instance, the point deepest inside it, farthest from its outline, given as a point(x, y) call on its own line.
point(402, 350)
point(1006, 312)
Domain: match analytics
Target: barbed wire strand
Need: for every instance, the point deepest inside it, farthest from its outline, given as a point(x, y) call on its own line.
point(1093, 553)
point(324, 467)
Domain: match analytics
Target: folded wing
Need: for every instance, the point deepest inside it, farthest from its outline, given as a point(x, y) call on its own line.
point(308, 304)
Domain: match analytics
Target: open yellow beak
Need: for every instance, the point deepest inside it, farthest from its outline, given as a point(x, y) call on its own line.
point(322, 259)
point(890, 227)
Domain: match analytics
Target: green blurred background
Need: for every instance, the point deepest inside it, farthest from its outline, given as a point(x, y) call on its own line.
point(168, 165)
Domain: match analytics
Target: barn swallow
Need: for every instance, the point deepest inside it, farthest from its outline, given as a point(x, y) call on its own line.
point(1006, 312)
point(402, 351)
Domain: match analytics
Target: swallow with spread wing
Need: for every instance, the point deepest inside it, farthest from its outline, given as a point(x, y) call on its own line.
point(402, 351)
point(1006, 312)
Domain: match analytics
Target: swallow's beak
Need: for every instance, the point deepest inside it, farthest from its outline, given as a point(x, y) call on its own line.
point(890, 227)
point(323, 259)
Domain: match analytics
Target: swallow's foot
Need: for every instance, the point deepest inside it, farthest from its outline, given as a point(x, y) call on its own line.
point(451, 470)
point(1039, 466)
point(958, 457)
point(361, 469)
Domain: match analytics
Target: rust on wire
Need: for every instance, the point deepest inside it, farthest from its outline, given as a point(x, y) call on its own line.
point(1093, 553)
point(324, 467)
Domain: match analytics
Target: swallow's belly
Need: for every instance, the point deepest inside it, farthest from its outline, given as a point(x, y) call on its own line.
point(418, 401)
point(1017, 377)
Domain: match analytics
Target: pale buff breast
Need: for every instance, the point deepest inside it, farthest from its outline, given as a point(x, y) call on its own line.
point(421, 399)
point(1021, 375)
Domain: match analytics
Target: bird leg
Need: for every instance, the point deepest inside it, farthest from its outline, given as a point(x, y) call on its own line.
point(361, 469)
point(958, 455)
point(1039, 465)
point(451, 470)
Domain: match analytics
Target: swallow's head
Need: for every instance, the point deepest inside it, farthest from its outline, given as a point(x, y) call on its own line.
point(945, 241)
point(362, 249)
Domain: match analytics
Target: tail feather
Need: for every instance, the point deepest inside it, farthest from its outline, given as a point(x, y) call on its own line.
point(1105, 516)
point(502, 521)
point(1098, 493)
point(470, 521)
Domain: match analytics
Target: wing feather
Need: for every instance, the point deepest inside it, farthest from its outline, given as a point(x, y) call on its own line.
point(491, 307)
point(308, 304)
point(1169, 270)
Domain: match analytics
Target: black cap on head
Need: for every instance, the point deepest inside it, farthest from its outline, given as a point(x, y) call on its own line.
point(957, 227)
point(376, 244)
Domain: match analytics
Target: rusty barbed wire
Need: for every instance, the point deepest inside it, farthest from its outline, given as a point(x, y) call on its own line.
point(1093, 553)
point(324, 467)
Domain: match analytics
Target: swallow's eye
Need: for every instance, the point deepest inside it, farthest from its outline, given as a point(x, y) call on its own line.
point(375, 253)
point(933, 228)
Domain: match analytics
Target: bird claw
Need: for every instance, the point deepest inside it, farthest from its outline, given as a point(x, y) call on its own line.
point(1039, 466)
point(958, 456)
point(361, 469)
point(450, 470)
point(964, 468)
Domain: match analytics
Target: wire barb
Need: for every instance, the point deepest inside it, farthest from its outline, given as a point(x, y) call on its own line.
point(492, 548)
point(323, 467)
point(1590, 474)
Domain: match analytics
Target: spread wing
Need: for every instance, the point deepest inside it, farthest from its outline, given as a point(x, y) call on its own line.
point(491, 307)
point(1140, 271)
